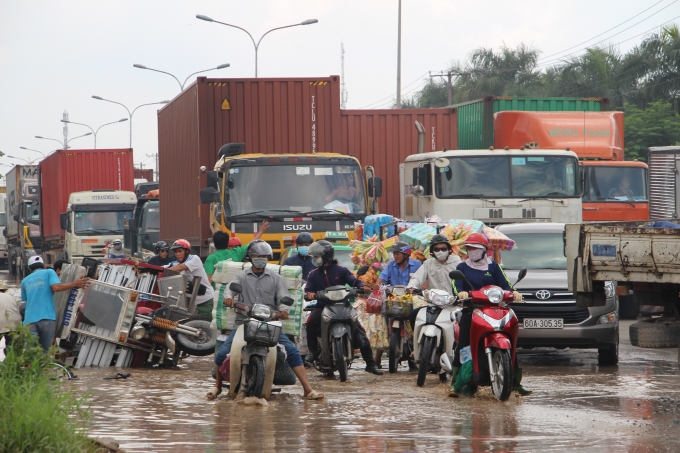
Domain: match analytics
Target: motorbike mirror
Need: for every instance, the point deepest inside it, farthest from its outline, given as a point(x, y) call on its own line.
point(288, 301)
point(521, 275)
point(235, 287)
point(458, 275)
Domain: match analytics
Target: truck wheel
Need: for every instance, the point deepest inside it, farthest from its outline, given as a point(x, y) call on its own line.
point(201, 346)
point(655, 333)
point(628, 309)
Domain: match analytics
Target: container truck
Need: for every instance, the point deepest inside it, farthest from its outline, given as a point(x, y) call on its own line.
point(23, 226)
point(614, 189)
point(315, 193)
point(3, 225)
point(85, 196)
point(495, 186)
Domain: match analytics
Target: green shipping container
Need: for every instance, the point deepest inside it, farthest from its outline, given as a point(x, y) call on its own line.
point(475, 118)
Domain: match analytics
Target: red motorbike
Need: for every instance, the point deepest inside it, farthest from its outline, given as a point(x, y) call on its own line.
point(493, 337)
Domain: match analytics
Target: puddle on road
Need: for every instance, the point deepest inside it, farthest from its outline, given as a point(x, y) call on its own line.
point(572, 408)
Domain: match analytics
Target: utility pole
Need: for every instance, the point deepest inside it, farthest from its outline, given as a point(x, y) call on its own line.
point(343, 88)
point(155, 156)
point(398, 105)
point(449, 84)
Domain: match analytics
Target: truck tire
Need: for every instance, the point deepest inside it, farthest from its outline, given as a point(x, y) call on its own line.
point(655, 333)
point(628, 308)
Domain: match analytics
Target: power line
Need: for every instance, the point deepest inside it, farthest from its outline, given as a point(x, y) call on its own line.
point(390, 97)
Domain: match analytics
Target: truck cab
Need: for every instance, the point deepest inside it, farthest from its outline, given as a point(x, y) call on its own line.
point(142, 230)
point(92, 220)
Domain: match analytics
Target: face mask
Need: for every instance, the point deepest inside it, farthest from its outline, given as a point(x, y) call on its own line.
point(317, 261)
point(259, 263)
point(476, 254)
point(441, 256)
point(303, 250)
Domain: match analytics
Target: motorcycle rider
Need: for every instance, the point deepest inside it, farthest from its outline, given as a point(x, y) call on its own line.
point(480, 271)
point(302, 258)
point(261, 286)
point(191, 266)
point(328, 273)
point(435, 270)
point(115, 250)
point(161, 258)
point(400, 270)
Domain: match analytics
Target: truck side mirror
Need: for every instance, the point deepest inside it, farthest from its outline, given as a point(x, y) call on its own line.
point(212, 179)
point(16, 218)
point(208, 195)
point(375, 187)
point(64, 221)
point(132, 224)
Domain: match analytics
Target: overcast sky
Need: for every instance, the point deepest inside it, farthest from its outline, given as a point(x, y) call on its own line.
point(54, 55)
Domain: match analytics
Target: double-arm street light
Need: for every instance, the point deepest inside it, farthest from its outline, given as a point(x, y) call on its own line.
point(64, 145)
point(181, 85)
point(34, 150)
point(130, 113)
point(256, 44)
point(29, 162)
point(93, 131)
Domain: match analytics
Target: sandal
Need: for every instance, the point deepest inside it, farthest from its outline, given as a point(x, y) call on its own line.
point(314, 395)
point(213, 393)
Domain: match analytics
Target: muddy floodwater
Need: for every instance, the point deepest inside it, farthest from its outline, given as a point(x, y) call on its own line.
point(575, 405)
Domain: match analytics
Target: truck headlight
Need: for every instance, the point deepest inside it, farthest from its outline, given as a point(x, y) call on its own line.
point(609, 289)
point(609, 318)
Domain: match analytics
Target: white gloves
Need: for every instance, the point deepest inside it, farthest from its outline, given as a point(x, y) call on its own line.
point(463, 295)
point(518, 297)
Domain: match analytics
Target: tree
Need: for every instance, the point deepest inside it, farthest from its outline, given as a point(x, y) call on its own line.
point(656, 125)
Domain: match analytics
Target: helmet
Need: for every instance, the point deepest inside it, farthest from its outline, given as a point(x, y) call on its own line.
point(477, 239)
point(439, 239)
point(181, 244)
point(161, 245)
point(117, 242)
point(304, 238)
point(323, 249)
point(400, 246)
point(259, 247)
point(234, 242)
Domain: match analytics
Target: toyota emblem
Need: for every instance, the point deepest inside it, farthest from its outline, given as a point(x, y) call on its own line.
point(543, 294)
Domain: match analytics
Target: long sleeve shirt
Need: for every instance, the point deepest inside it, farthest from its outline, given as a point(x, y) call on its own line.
point(478, 279)
point(266, 288)
point(326, 276)
point(435, 274)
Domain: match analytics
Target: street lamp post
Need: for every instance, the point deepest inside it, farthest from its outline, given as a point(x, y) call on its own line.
point(70, 140)
point(256, 45)
point(34, 150)
point(181, 85)
point(63, 146)
point(29, 162)
point(128, 110)
point(93, 131)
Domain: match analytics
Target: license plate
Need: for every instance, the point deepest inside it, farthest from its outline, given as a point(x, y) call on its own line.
point(395, 324)
point(543, 323)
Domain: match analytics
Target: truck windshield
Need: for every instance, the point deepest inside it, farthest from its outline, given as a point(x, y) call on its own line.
point(99, 222)
point(616, 184)
point(32, 212)
point(536, 251)
point(152, 218)
point(508, 177)
point(298, 188)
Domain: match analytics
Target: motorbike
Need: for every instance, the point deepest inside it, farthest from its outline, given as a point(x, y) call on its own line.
point(493, 337)
point(433, 335)
point(339, 321)
point(254, 353)
point(398, 306)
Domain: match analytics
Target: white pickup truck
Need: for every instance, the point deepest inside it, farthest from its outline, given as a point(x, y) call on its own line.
point(639, 257)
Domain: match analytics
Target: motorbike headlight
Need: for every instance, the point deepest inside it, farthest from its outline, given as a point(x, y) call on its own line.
point(336, 295)
point(261, 311)
point(138, 332)
point(495, 295)
point(609, 289)
point(609, 318)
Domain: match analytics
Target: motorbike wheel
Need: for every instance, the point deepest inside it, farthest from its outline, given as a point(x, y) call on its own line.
point(201, 346)
point(255, 376)
point(394, 350)
point(424, 360)
point(502, 384)
point(341, 363)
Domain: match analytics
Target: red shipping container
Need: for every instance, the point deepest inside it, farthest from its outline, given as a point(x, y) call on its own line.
point(67, 171)
point(271, 116)
point(144, 173)
point(384, 138)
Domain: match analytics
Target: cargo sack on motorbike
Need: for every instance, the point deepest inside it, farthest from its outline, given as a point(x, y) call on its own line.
point(464, 379)
point(400, 306)
point(374, 303)
point(261, 332)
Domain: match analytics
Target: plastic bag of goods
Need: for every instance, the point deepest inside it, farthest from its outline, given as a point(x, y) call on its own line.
point(418, 236)
point(372, 225)
point(497, 240)
point(374, 303)
point(476, 225)
point(358, 231)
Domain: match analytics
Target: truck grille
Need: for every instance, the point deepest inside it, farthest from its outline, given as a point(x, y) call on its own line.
point(661, 187)
point(570, 313)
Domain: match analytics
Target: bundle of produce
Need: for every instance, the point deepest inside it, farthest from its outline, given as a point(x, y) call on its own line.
point(371, 252)
point(418, 236)
point(456, 233)
point(497, 240)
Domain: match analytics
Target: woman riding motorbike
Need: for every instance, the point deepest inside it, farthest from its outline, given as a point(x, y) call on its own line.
point(480, 271)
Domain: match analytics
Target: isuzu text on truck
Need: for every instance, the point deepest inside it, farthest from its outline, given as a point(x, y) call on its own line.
point(316, 193)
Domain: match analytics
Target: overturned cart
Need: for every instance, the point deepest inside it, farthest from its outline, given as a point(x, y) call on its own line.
point(132, 315)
